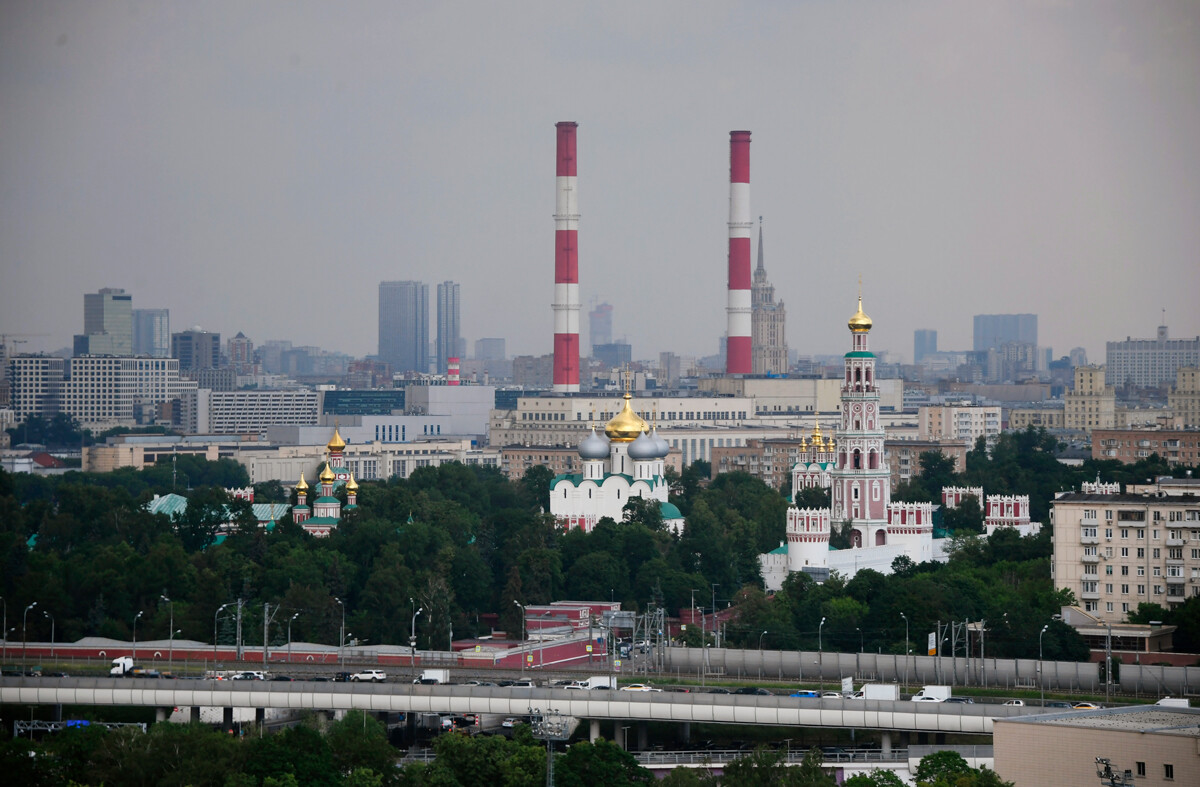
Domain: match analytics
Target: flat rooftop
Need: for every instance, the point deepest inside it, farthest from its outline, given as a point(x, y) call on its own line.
point(1153, 719)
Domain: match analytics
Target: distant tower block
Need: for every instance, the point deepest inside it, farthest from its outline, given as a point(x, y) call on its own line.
point(566, 265)
point(738, 354)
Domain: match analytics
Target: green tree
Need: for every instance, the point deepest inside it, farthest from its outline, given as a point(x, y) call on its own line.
point(587, 764)
point(941, 767)
point(359, 743)
point(876, 778)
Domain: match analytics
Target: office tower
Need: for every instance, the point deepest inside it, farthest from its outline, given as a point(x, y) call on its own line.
point(994, 330)
point(490, 349)
point(448, 324)
point(566, 262)
point(107, 323)
point(240, 350)
point(1149, 362)
point(615, 355)
point(738, 344)
point(600, 324)
point(768, 321)
point(196, 349)
point(924, 343)
point(404, 325)
point(152, 332)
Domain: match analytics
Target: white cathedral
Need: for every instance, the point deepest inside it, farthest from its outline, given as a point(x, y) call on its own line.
point(627, 460)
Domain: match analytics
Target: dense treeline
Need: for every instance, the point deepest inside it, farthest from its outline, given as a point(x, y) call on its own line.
point(354, 752)
point(462, 542)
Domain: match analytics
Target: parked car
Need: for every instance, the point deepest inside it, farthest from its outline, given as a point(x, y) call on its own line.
point(373, 675)
point(1016, 703)
point(639, 687)
point(511, 722)
point(755, 690)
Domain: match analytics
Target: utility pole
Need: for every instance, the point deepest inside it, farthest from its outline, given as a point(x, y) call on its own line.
point(240, 604)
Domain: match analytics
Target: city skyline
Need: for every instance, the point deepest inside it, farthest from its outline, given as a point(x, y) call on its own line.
point(1036, 159)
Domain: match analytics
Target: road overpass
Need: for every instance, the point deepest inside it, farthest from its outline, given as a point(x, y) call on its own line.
point(619, 706)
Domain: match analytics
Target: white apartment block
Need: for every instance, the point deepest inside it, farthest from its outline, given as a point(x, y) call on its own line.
point(35, 383)
point(365, 461)
point(1149, 362)
point(1091, 404)
point(958, 422)
point(106, 391)
point(204, 411)
point(1114, 551)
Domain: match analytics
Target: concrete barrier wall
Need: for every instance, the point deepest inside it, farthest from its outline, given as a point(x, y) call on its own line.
point(815, 667)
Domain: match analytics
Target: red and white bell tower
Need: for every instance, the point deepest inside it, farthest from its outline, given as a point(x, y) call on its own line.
point(861, 480)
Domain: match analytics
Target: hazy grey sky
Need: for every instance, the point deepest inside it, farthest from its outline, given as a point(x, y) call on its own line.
point(261, 166)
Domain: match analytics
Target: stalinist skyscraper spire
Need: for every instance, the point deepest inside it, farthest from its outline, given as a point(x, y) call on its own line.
point(767, 321)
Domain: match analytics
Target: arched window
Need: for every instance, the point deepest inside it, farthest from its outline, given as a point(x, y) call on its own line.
point(857, 459)
point(880, 537)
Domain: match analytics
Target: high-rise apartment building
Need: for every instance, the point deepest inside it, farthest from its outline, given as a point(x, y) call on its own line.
point(958, 422)
point(1149, 362)
point(924, 343)
point(449, 332)
point(994, 330)
point(768, 322)
point(152, 332)
point(600, 324)
point(1091, 404)
point(240, 350)
point(35, 384)
point(196, 350)
point(490, 349)
point(1184, 399)
point(1115, 551)
point(404, 325)
point(107, 323)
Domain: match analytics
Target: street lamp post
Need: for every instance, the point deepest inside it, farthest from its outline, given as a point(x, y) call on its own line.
point(171, 628)
point(523, 634)
point(716, 639)
point(341, 631)
point(47, 614)
point(1041, 677)
point(293, 617)
point(905, 649)
point(860, 638)
point(24, 617)
point(135, 620)
point(820, 654)
point(760, 639)
point(412, 639)
point(1108, 663)
point(215, 616)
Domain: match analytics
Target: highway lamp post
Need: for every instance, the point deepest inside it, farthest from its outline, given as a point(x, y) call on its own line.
point(341, 631)
point(171, 628)
point(293, 617)
point(982, 654)
point(412, 639)
point(216, 615)
point(760, 639)
point(521, 607)
point(135, 620)
point(25, 617)
point(905, 648)
point(1108, 663)
point(1041, 677)
point(4, 631)
point(47, 614)
point(716, 639)
point(820, 655)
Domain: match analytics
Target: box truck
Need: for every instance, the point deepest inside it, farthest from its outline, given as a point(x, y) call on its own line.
point(880, 691)
point(432, 677)
point(932, 694)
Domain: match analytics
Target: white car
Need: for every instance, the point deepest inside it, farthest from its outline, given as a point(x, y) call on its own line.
point(374, 675)
point(574, 687)
point(639, 687)
point(1016, 703)
point(511, 721)
point(928, 699)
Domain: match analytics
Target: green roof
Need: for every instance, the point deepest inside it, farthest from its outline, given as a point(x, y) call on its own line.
point(781, 550)
point(326, 499)
point(669, 511)
point(860, 355)
point(320, 520)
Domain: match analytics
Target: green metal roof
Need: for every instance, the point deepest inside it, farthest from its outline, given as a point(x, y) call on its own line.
point(669, 511)
point(860, 355)
point(781, 550)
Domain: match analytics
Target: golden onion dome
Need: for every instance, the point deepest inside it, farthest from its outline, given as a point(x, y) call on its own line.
point(351, 485)
point(336, 443)
point(816, 435)
point(828, 443)
point(860, 322)
point(326, 474)
point(625, 425)
point(303, 485)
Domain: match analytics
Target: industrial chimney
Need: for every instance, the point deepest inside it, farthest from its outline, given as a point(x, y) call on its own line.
point(737, 347)
point(566, 266)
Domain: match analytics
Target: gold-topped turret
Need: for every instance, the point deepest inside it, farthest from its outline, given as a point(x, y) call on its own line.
point(625, 425)
point(860, 322)
point(336, 444)
point(303, 485)
point(352, 485)
point(327, 475)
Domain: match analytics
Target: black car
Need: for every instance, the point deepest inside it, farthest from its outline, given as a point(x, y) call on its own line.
point(719, 690)
point(282, 677)
point(755, 690)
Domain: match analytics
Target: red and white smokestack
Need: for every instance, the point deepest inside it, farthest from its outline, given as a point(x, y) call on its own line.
point(451, 371)
point(566, 265)
point(737, 346)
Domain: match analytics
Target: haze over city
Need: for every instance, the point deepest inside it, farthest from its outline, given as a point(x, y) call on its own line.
point(262, 167)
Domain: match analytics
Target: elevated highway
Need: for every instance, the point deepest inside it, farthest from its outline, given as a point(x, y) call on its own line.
point(678, 707)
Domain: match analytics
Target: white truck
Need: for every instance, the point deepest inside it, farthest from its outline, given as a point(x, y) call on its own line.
point(932, 694)
point(880, 691)
point(432, 677)
point(599, 682)
point(123, 667)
